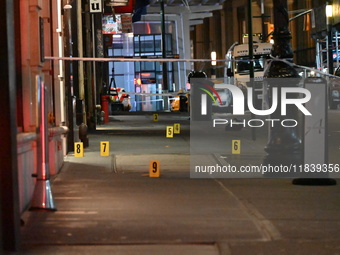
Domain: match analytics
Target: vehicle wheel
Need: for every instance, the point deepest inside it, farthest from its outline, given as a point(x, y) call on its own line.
point(117, 108)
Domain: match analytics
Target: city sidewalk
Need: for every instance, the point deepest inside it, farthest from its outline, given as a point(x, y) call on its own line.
point(105, 209)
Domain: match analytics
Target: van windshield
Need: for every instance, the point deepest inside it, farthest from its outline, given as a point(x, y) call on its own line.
point(243, 64)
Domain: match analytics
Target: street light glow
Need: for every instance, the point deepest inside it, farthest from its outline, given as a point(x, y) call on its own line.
point(213, 58)
point(329, 10)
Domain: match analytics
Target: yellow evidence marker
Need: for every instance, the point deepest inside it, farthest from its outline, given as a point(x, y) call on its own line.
point(155, 117)
point(154, 170)
point(169, 131)
point(177, 128)
point(105, 148)
point(236, 146)
point(78, 150)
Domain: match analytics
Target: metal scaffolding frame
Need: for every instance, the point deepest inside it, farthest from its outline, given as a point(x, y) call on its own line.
point(322, 60)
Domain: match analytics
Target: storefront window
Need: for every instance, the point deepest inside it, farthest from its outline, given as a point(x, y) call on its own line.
point(151, 45)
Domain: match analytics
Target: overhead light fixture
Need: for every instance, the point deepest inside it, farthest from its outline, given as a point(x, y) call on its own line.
point(213, 58)
point(67, 6)
point(329, 10)
point(117, 3)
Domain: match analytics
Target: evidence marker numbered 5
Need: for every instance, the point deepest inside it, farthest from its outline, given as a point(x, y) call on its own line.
point(169, 131)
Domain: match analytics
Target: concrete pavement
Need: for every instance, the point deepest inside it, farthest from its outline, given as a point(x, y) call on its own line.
point(108, 205)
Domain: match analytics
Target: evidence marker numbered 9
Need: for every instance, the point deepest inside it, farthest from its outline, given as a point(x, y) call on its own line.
point(154, 170)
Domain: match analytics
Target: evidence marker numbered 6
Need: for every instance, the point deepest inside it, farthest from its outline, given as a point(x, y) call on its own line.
point(236, 147)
